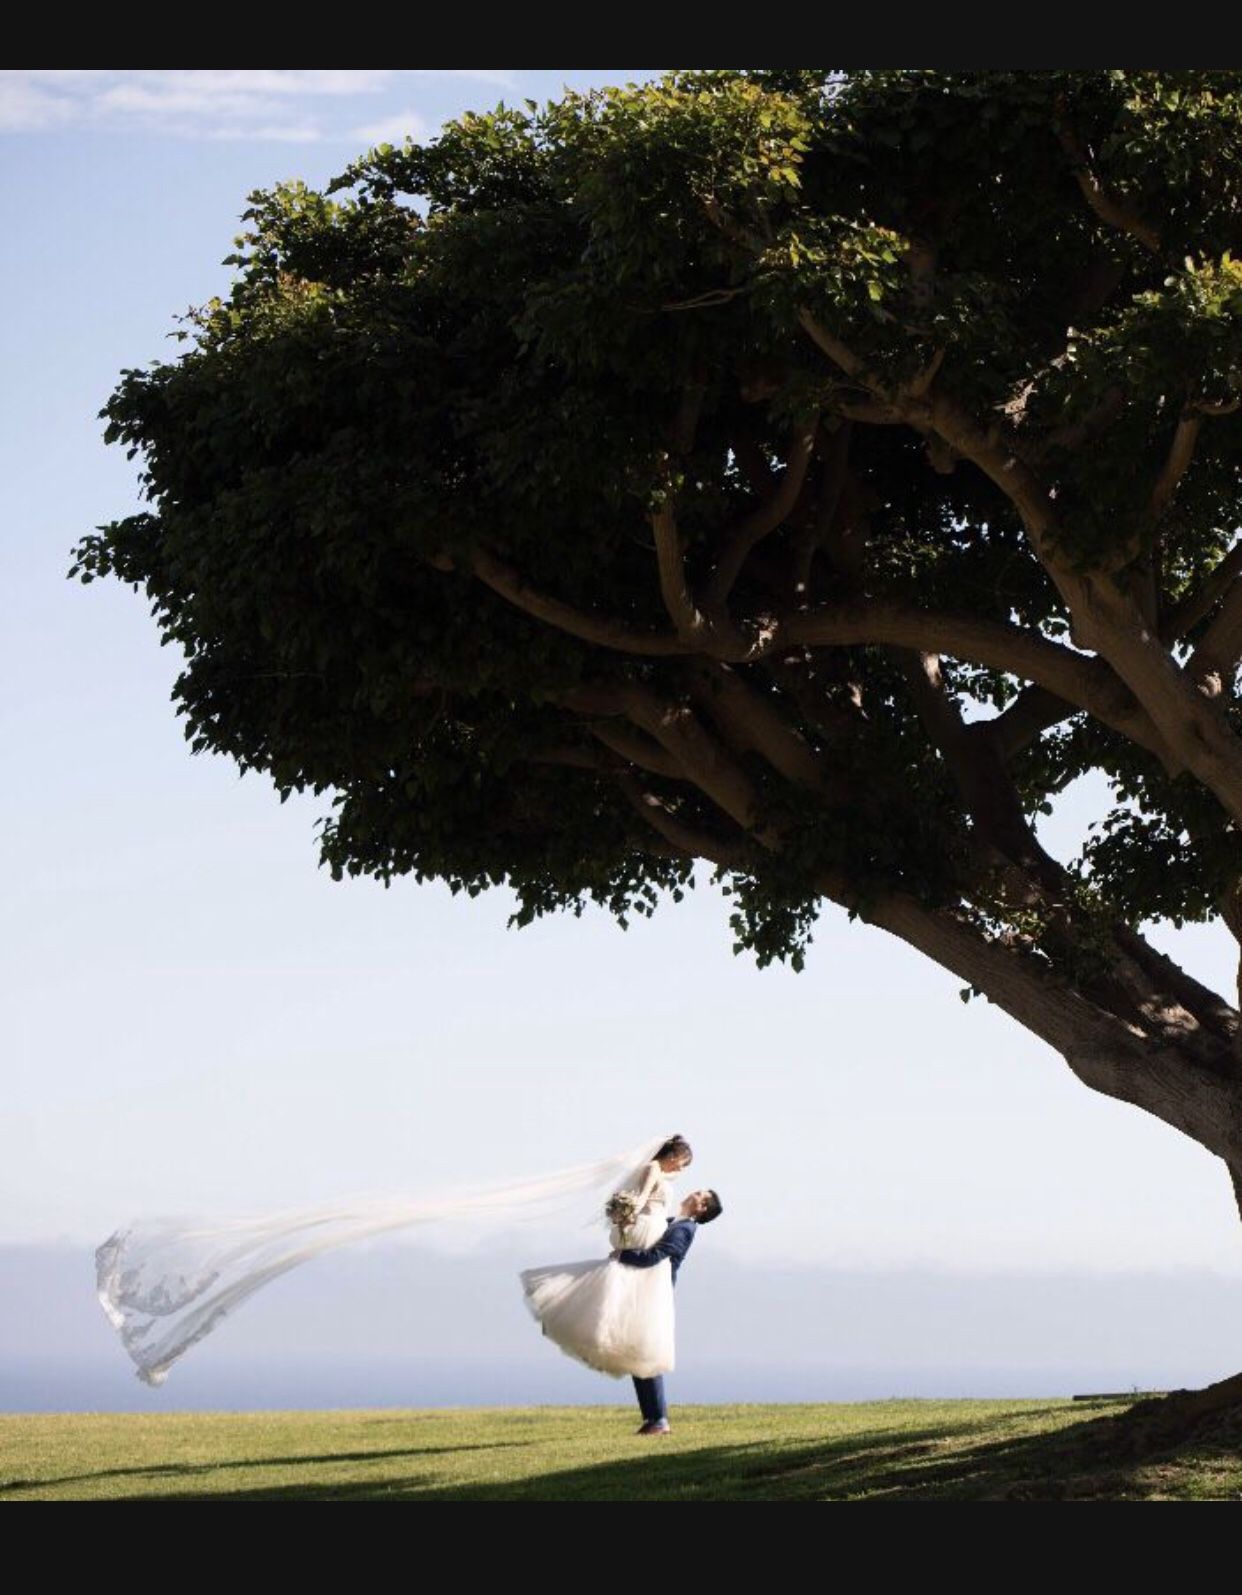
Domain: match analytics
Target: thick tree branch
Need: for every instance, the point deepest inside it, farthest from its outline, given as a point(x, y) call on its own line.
point(679, 731)
point(1111, 1056)
point(685, 423)
point(1106, 205)
point(1181, 452)
point(1033, 711)
point(1211, 1009)
point(995, 644)
point(1196, 606)
point(566, 754)
point(751, 721)
point(869, 411)
point(1106, 619)
point(981, 777)
point(638, 749)
point(835, 450)
point(690, 623)
point(1195, 733)
point(696, 754)
point(1019, 982)
point(688, 840)
point(1235, 1175)
point(1214, 663)
point(1128, 989)
point(845, 535)
point(503, 579)
point(1097, 420)
point(763, 519)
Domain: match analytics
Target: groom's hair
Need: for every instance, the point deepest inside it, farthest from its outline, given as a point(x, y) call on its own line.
point(714, 1209)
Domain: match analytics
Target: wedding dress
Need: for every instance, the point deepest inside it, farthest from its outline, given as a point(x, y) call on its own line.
point(613, 1317)
point(167, 1282)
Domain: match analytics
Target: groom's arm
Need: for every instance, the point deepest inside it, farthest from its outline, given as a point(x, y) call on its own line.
point(675, 1245)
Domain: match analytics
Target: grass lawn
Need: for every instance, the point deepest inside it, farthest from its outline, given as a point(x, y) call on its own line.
point(855, 1451)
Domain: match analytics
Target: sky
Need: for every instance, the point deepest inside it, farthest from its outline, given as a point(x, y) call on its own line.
point(195, 1016)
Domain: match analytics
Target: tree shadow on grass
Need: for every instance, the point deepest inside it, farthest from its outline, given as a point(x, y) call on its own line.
point(174, 1470)
point(953, 1461)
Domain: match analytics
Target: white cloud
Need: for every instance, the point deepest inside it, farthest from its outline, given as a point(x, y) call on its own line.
point(502, 77)
point(286, 133)
point(137, 98)
point(25, 107)
point(392, 129)
point(296, 106)
point(233, 103)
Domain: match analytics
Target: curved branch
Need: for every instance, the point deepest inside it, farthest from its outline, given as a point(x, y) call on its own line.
point(751, 721)
point(993, 643)
point(1214, 662)
point(690, 623)
point(1098, 419)
point(638, 749)
point(566, 754)
point(704, 761)
point(833, 472)
point(688, 840)
point(1196, 606)
point(697, 755)
point(502, 578)
point(1178, 703)
point(1035, 709)
point(764, 518)
point(1019, 982)
point(1102, 201)
point(1181, 452)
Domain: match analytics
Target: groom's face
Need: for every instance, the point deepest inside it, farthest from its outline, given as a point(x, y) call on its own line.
point(695, 1204)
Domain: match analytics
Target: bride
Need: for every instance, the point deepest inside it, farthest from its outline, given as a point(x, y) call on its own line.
point(607, 1314)
point(166, 1282)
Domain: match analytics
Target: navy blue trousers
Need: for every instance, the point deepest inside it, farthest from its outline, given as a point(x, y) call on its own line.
point(651, 1397)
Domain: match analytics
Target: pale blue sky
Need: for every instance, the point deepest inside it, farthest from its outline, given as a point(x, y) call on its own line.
point(195, 1015)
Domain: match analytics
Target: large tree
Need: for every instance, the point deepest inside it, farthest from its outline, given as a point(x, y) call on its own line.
point(807, 472)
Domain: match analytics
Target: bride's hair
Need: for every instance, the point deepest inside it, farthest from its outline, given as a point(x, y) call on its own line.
point(675, 1144)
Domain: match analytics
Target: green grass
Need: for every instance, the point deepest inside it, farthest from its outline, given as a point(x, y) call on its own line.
point(857, 1451)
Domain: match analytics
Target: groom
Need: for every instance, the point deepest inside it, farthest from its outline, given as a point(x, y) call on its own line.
point(700, 1207)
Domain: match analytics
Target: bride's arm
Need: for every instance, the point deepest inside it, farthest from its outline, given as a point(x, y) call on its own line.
point(649, 1183)
point(675, 1244)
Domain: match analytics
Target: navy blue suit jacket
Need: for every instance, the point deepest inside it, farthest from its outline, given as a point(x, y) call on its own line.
point(674, 1244)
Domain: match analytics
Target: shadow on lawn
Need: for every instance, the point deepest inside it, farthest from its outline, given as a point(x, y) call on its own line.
point(948, 1462)
point(176, 1470)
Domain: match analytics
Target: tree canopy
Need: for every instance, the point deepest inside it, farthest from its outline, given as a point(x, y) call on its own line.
point(808, 472)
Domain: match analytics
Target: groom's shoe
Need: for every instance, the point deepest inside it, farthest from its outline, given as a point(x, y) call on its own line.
point(656, 1426)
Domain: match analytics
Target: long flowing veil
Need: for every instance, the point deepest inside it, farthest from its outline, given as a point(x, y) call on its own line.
point(166, 1282)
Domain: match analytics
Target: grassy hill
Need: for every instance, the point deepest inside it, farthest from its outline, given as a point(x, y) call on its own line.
point(877, 1450)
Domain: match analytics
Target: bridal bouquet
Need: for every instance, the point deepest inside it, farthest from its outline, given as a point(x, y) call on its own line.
point(621, 1208)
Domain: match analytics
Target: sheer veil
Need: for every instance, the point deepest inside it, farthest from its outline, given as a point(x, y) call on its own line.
point(167, 1282)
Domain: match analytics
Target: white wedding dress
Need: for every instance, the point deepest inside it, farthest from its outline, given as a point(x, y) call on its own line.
point(612, 1316)
point(167, 1282)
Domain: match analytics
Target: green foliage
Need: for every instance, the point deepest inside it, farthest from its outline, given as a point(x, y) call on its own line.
point(484, 341)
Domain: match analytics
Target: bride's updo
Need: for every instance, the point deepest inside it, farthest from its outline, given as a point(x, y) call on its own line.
point(675, 1146)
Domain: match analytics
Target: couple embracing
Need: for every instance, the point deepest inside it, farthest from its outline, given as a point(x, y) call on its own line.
point(616, 1315)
